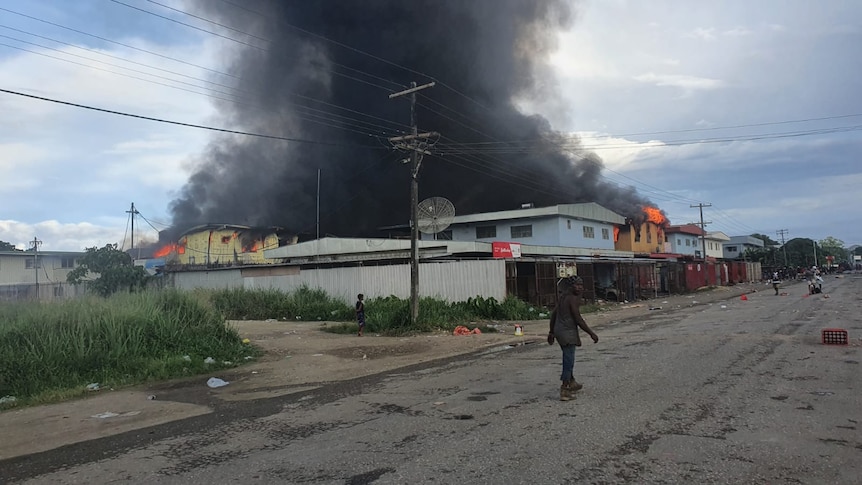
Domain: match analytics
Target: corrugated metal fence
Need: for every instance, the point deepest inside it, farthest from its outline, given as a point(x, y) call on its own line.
point(446, 280)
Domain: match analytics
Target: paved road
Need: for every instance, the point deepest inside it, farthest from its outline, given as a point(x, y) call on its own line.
point(732, 392)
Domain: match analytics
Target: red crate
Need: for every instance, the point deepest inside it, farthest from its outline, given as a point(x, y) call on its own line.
point(834, 336)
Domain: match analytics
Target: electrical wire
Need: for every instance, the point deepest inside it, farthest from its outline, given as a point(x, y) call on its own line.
point(263, 49)
point(315, 118)
point(128, 46)
point(190, 125)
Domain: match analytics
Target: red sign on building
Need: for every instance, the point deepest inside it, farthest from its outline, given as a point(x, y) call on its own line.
point(506, 249)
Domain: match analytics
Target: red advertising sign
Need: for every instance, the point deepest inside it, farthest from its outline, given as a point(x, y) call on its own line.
point(506, 249)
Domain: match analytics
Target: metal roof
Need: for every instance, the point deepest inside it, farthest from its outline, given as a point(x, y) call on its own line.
point(587, 211)
point(358, 249)
point(42, 253)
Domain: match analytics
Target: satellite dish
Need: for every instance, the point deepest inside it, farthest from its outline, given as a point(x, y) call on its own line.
point(435, 215)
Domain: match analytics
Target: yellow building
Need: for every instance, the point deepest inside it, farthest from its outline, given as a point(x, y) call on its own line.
point(644, 238)
point(222, 245)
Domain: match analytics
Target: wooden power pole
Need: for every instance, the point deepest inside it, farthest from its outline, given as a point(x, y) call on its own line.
point(703, 241)
point(414, 144)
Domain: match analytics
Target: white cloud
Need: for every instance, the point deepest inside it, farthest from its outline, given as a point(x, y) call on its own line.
point(86, 165)
point(736, 32)
point(57, 236)
point(687, 83)
point(617, 153)
point(703, 33)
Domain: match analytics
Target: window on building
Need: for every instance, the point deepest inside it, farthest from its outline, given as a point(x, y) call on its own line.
point(445, 235)
point(522, 231)
point(569, 224)
point(30, 263)
point(483, 232)
point(648, 236)
point(606, 233)
point(589, 232)
point(731, 249)
point(225, 239)
point(67, 262)
point(679, 242)
point(58, 292)
point(688, 242)
point(191, 260)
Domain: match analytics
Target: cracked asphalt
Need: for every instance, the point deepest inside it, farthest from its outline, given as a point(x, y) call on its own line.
point(730, 392)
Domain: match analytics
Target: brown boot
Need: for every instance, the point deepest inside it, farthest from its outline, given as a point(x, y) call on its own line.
point(565, 392)
point(575, 385)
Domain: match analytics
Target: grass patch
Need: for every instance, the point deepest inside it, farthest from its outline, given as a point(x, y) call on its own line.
point(305, 304)
point(387, 316)
point(54, 350)
point(391, 315)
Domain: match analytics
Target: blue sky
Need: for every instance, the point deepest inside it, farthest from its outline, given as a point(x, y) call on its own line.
point(625, 67)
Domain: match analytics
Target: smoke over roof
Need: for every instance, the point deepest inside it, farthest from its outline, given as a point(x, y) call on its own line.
point(484, 53)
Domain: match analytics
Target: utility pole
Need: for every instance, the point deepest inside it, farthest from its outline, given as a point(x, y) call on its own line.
point(414, 143)
point(133, 212)
point(34, 244)
point(703, 240)
point(815, 252)
point(781, 233)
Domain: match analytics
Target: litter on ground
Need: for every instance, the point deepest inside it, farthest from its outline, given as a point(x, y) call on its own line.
point(462, 330)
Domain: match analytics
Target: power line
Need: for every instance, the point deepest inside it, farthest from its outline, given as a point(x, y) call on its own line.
point(327, 115)
point(191, 125)
point(623, 135)
point(662, 144)
point(118, 43)
point(188, 25)
point(263, 49)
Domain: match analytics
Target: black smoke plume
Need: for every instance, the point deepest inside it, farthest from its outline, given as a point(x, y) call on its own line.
point(485, 53)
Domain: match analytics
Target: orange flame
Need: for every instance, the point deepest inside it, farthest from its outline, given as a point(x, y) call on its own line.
point(165, 250)
point(616, 234)
point(254, 247)
point(655, 216)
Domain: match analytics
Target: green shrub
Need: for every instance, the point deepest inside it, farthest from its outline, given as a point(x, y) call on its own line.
point(123, 339)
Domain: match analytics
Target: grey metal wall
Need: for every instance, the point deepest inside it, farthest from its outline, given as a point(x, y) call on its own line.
point(446, 280)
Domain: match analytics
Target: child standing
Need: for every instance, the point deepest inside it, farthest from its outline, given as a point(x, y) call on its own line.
point(360, 312)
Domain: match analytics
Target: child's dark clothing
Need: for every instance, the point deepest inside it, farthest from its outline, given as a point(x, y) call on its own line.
point(360, 314)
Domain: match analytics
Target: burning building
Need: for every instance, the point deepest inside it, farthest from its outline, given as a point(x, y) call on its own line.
point(643, 233)
point(220, 245)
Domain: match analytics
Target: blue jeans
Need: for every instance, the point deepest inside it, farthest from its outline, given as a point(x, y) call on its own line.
point(568, 362)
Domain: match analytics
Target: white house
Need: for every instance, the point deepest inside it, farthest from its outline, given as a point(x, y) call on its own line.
point(685, 239)
point(737, 245)
point(587, 225)
point(715, 241)
point(25, 275)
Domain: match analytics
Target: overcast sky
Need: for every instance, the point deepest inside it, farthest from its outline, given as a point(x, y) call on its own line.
point(635, 78)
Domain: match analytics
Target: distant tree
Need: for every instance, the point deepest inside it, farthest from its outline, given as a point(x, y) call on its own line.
point(835, 248)
point(5, 246)
point(801, 251)
point(113, 271)
point(767, 241)
point(764, 256)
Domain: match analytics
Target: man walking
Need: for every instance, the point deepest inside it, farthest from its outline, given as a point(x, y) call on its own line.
point(565, 321)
